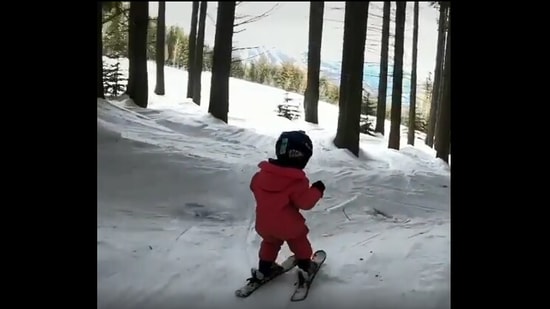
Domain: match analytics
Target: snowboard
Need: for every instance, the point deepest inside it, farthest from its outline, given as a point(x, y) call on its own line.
point(303, 285)
point(250, 287)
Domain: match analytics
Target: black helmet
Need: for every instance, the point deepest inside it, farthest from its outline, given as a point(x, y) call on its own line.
point(293, 149)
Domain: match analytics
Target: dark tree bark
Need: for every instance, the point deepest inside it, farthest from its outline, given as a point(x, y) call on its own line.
point(311, 95)
point(99, 59)
point(351, 77)
point(192, 49)
point(138, 89)
point(412, 100)
point(383, 79)
point(443, 140)
point(397, 89)
point(199, 54)
point(161, 34)
point(442, 80)
point(437, 75)
point(221, 61)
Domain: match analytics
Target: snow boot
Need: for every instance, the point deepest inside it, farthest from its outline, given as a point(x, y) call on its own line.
point(307, 268)
point(265, 270)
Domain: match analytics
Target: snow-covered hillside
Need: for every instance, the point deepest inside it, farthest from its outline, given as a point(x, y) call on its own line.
point(175, 214)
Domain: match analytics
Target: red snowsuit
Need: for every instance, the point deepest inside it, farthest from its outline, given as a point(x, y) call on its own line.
point(280, 193)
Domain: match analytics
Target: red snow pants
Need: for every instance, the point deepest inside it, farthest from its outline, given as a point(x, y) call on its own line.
point(270, 247)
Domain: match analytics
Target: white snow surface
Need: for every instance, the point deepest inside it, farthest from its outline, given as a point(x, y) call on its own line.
point(176, 216)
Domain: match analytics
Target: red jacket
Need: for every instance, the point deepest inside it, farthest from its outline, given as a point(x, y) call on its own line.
point(280, 193)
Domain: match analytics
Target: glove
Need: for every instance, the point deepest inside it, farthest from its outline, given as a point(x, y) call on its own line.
point(319, 185)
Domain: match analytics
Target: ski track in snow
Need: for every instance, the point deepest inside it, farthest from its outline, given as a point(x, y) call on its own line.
point(174, 207)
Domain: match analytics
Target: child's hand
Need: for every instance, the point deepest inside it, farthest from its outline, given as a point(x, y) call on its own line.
point(319, 185)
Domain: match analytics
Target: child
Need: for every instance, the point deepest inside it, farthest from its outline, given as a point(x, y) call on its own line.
point(281, 189)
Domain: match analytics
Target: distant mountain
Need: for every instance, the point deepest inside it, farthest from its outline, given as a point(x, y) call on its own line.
point(273, 55)
point(330, 69)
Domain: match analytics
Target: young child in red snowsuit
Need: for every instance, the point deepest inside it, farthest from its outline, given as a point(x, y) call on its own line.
point(281, 189)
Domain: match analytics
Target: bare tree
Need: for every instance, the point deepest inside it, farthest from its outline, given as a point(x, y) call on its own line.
point(244, 19)
point(192, 50)
point(447, 6)
point(351, 77)
point(311, 95)
point(397, 89)
point(161, 30)
point(443, 134)
point(199, 49)
point(383, 79)
point(437, 75)
point(241, 20)
point(99, 59)
point(221, 61)
point(412, 100)
point(138, 87)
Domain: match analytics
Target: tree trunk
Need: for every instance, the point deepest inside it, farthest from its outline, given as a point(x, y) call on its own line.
point(221, 61)
point(351, 77)
point(99, 59)
point(192, 50)
point(412, 100)
point(437, 76)
point(137, 53)
point(444, 127)
point(441, 80)
point(397, 89)
point(199, 54)
point(311, 95)
point(161, 34)
point(383, 79)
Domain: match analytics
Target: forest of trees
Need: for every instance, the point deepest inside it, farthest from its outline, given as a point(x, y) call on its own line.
point(128, 31)
point(287, 76)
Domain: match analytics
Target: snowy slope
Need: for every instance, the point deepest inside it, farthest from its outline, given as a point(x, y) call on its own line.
point(175, 214)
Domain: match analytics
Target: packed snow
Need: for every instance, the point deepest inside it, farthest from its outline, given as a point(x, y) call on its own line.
point(176, 215)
